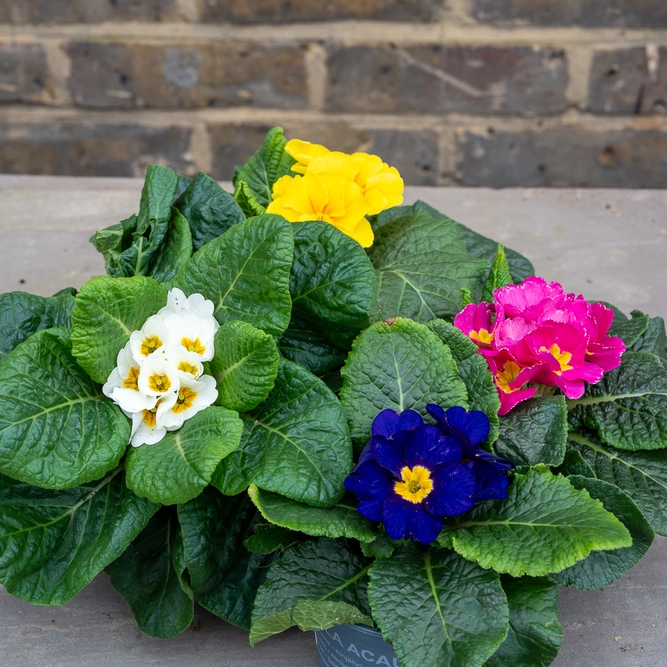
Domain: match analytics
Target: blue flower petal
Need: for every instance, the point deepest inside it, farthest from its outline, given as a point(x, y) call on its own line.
point(409, 420)
point(496, 461)
point(492, 483)
point(371, 509)
point(424, 527)
point(389, 453)
point(388, 422)
point(365, 456)
point(428, 448)
point(472, 426)
point(438, 414)
point(453, 488)
point(370, 481)
point(396, 516)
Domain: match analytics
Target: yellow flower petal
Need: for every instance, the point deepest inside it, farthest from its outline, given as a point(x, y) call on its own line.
point(363, 234)
point(303, 152)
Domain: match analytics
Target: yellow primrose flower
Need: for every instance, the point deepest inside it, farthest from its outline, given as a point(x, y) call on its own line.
point(303, 152)
point(325, 197)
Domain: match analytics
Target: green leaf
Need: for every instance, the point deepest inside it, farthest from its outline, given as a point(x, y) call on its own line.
point(56, 428)
point(402, 366)
point(421, 265)
point(628, 407)
point(146, 576)
point(437, 609)
point(642, 475)
point(331, 281)
point(381, 547)
point(296, 443)
point(602, 568)
point(245, 272)
point(499, 275)
point(535, 634)
point(53, 543)
point(630, 331)
point(176, 251)
point(306, 345)
point(246, 201)
point(574, 464)
point(245, 365)
point(183, 185)
point(266, 166)
point(180, 466)
point(224, 574)
point(23, 314)
point(209, 209)
point(315, 586)
point(544, 525)
point(106, 312)
point(654, 339)
point(341, 520)
point(473, 370)
point(535, 432)
point(269, 538)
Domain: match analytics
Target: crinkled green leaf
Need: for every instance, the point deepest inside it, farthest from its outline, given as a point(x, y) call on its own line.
point(381, 547)
point(628, 407)
point(331, 281)
point(315, 585)
point(265, 167)
point(147, 577)
point(438, 609)
point(602, 568)
point(246, 201)
point(296, 443)
point(53, 543)
point(245, 365)
point(224, 574)
point(245, 272)
point(180, 466)
point(654, 339)
point(341, 520)
point(534, 432)
point(574, 464)
point(544, 526)
point(176, 251)
point(402, 366)
point(209, 210)
point(269, 538)
point(22, 314)
point(642, 475)
point(499, 275)
point(535, 633)
point(421, 265)
point(473, 370)
point(57, 430)
point(182, 185)
point(106, 312)
point(630, 331)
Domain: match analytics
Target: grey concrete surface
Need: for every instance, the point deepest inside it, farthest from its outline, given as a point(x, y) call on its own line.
point(607, 244)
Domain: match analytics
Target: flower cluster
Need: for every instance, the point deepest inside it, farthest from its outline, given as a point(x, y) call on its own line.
point(537, 334)
point(412, 475)
point(159, 379)
point(337, 188)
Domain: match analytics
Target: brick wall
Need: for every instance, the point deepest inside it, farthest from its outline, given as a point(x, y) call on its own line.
point(453, 92)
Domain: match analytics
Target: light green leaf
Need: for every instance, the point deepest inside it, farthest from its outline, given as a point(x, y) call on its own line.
point(245, 365)
point(176, 251)
point(246, 201)
point(106, 312)
point(628, 407)
point(265, 167)
point(56, 428)
point(421, 265)
point(535, 633)
point(544, 526)
point(53, 543)
point(180, 466)
point(315, 585)
point(473, 370)
point(451, 613)
point(499, 275)
point(341, 520)
point(602, 568)
point(402, 366)
point(146, 576)
point(296, 443)
point(209, 210)
point(245, 272)
point(534, 432)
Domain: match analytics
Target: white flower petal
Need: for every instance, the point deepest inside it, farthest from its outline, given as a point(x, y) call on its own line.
point(158, 377)
point(131, 400)
point(193, 397)
point(152, 336)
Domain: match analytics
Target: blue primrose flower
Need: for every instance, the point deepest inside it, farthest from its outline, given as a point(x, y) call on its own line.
point(412, 475)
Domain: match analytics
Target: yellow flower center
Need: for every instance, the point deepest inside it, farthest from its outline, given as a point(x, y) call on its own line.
point(149, 345)
point(150, 417)
point(185, 367)
point(482, 336)
point(185, 400)
point(416, 484)
point(507, 375)
point(130, 382)
point(193, 345)
point(563, 358)
point(159, 383)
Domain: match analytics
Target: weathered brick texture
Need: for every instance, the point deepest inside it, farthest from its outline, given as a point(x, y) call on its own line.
point(24, 74)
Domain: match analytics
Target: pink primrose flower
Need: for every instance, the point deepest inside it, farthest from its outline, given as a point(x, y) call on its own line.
point(477, 322)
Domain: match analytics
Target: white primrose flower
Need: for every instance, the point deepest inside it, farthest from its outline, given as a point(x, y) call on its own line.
point(122, 386)
point(196, 304)
point(192, 333)
point(152, 338)
point(158, 377)
point(186, 363)
point(192, 397)
point(147, 429)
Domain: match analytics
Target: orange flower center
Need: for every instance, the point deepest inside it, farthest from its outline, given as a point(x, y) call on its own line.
point(193, 345)
point(130, 382)
point(159, 383)
point(149, 345)
point(185, 400)
point(416, 484)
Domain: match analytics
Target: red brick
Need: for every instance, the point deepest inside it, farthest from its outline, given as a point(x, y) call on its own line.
point(190, 76)
point(24, 74)
point(434, 79)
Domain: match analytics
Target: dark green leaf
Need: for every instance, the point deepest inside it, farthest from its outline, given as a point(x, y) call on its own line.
point(246, 201)
point(176, 251)
point(619, 315)
point(437, 609)
point(653, 340)
point(56, 428)
point(499, 275)
point(269, 538)
point(381, 547)
point(574, 464)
